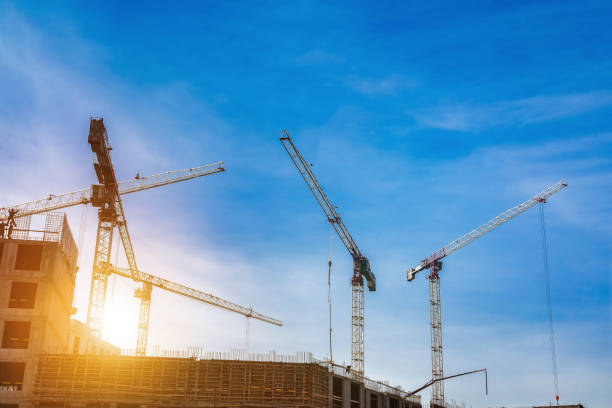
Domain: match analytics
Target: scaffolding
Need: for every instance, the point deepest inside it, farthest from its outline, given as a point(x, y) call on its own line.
point(196, 378)
point(162, 381)
point(48, 227)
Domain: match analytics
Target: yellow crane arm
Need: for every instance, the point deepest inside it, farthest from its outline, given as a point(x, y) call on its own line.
point(193, 294)
point(84, 196)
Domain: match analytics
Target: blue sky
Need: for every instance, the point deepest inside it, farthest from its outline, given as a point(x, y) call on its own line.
point(422, 122)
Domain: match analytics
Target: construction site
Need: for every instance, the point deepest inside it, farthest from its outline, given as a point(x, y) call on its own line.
point(49, 359)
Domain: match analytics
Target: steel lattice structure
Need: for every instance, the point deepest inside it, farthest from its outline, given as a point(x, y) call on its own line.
point(434, 265)
point(84, 196)
point(357, 326)
point(97, 290)
point(191, 293)
point(361, 264)
point(484, 228)
point(435, 320)
point(106, 197)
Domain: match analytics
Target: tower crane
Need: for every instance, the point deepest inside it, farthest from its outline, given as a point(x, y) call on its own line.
point(106, 196)
point(361, 264)
point(110, 214)
point(192, 294)
point(434, 264)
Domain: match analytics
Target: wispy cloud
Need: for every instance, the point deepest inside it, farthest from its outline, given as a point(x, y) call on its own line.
point(381, 86)
point(313, 57)
point(474, 117)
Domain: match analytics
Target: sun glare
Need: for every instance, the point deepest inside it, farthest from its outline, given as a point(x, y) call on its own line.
point(121, 318)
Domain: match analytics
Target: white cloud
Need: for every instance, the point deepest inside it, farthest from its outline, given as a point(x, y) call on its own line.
point(526, 170)
point(381, 86)
point(314, 57)
point(466, 117)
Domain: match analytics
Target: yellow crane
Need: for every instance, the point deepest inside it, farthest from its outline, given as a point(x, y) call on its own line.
point(107, 197)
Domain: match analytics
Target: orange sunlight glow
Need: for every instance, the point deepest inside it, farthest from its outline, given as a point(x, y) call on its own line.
point(121, 315)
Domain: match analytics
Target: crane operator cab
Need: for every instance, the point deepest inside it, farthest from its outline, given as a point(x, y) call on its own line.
point(366, 272)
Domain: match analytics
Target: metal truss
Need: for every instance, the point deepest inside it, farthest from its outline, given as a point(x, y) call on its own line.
point(99, 277)
point(357, 323)
point(84, 196)
point(191, 293)
point(484, 228)
point(144, 294)
point(437, 360)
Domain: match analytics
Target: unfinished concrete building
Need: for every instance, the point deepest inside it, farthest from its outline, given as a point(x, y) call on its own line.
point(125, 381)
point(37, 277)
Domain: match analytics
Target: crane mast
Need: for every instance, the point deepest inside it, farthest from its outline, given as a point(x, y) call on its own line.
point(193, 294)
point(434, 264)
point(361, 264)
point(106, 197)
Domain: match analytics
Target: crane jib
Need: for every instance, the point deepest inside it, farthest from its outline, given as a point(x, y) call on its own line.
point(485, 228)
point(192, 293)
point(362, 264)
point(86, 195)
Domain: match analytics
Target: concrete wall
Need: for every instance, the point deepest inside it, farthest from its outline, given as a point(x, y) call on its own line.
point(364, 397)
point(81, 341)
point(50, 317)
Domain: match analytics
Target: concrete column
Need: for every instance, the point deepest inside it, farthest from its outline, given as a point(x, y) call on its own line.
point(330, 393)
point(346, 393)
point(384, 401)
point(366, 398)
point(362, 393)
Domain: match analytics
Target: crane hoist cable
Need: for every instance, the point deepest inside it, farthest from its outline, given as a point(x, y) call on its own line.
point(113, 279)
point(80, 245)
point(247, 334)
point(82, 232)
point(551, 327)
point(329, 267)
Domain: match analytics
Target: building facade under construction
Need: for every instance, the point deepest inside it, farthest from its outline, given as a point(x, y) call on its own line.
point(121, 381)
point(37, 277)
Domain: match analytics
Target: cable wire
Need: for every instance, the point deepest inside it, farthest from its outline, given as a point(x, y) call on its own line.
point(329, 264)
point(82, 232)
point(551, 328)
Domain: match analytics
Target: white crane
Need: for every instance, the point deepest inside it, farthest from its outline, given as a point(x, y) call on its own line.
point(434, 264)
point(361, 264)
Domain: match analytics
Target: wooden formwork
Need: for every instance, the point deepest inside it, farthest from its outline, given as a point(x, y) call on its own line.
point(75, 380)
